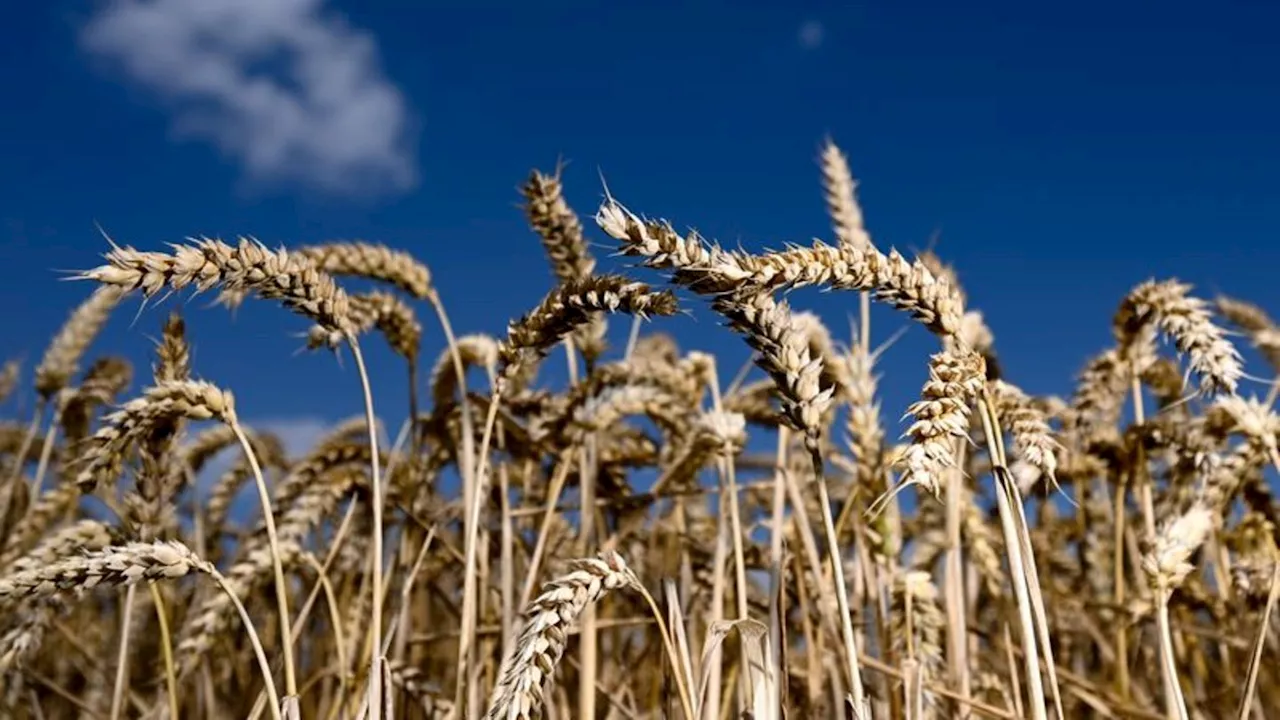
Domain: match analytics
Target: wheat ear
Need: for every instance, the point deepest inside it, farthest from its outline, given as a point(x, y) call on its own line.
point(197, 401)
point(532, 661)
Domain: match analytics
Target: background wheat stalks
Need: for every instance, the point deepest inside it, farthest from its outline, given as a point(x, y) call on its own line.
point(996, 553)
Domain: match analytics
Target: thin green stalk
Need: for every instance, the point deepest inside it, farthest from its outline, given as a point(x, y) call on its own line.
point(166, 649)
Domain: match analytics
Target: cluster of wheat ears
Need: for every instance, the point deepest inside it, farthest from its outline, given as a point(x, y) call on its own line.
point(612, 548)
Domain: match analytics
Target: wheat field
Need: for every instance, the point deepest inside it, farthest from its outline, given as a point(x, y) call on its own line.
point(618, 545)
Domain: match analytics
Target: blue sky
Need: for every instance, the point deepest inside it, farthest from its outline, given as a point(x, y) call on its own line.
point(1064, 154)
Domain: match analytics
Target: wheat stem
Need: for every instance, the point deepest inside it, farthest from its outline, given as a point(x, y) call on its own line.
point(375, 483)
point(166, 649)
point(46, 450)
point(277, 565)
point(1259, 644)
point(122, 655)
point(1017, 570)
point(861, 707)
point(273, 698)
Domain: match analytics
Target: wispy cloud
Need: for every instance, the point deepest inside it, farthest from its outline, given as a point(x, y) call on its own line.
point(287, 88)
point(299, 435)
point(810, 35)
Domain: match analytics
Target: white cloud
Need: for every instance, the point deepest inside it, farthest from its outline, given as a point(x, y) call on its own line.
point(299, 435)
point(810, 35)
point(286, 88)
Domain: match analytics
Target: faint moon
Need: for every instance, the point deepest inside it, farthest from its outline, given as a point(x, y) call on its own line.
point(810, 35)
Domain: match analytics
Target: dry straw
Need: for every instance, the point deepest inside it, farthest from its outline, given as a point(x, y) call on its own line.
point(760, 494)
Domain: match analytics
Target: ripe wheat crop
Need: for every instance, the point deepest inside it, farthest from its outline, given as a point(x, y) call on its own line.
point(617, 545)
